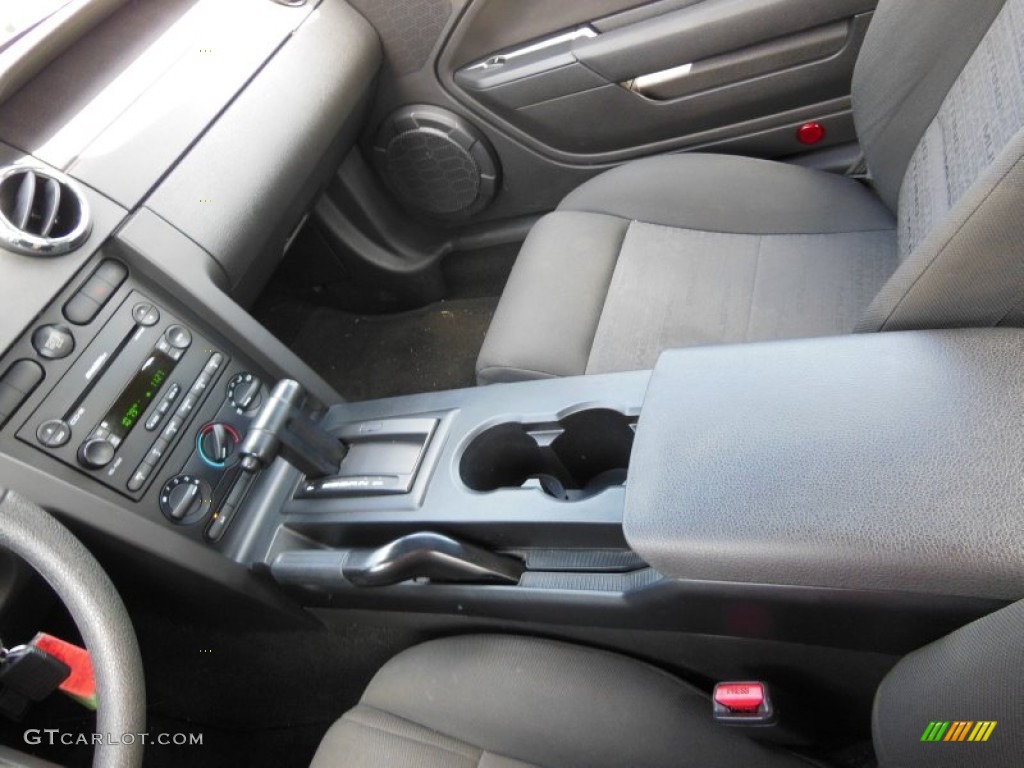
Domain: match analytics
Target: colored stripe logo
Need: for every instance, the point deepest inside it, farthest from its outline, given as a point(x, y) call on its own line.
point(958, 730)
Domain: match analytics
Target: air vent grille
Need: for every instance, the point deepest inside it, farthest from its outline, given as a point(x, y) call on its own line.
point(42, 213)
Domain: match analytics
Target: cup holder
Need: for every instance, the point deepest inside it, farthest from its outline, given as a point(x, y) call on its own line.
point(571, 459)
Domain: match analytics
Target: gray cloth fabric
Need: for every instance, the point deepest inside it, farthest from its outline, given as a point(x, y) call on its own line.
point(723, 193)
point(597, 288)
point(369, 738)
point(544, 325)
point(961, 235)
point(979, 117)
point(975, 674)
point(509, 702)
point(749, 250)
point(682, 288)
point(969, 272)
point(914, 51)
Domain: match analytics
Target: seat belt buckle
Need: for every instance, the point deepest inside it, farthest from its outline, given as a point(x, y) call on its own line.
point(743, 704)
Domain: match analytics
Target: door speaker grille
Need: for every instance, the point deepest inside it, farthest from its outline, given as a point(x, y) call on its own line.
point(436, 162)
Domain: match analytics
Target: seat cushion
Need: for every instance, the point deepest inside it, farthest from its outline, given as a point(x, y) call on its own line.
point(507, 702)
point(687, 250)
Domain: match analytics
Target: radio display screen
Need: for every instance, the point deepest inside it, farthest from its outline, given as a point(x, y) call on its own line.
point(135, 398)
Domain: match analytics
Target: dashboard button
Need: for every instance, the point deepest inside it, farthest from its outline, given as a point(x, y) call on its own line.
point(23, 376)
point(98, 290)
point(140, 477)
point(187, 405)
point(145, 314)
point(53, 342)
point(172, 429)
point(214, 364)
point(200, 384)
point(156, 453)
point(90, 298)
point(10, 398)
point(53, 433)
point(16, 385)
point(220, 523)
point(80, 310)
point(113, 273)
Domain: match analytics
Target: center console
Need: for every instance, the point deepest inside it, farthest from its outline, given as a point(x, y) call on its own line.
point(846, 492)
point(853, 493)
point(840, 492)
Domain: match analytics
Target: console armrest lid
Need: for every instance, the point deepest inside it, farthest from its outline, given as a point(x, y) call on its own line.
point(873, 462)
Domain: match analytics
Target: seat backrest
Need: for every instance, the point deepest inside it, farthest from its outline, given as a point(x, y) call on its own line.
point(957, 702)
point(939, 104)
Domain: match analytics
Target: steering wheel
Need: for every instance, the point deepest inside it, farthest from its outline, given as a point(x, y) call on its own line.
point(47, 546)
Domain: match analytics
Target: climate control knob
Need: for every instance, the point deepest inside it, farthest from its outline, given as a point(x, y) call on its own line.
point(217, 444)
point(185, 499)
point(244, 392)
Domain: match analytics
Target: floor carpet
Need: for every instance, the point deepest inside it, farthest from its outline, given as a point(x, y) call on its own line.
point(366, 357)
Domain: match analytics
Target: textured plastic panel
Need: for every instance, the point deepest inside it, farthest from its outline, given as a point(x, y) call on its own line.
point(246, 183)
point(875, 462)
point(408, 29)
point(703, 30)
point(611, 118)
point(137, 91)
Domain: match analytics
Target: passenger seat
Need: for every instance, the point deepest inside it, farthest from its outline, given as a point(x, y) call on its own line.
point(490, 701)
point(694, 249)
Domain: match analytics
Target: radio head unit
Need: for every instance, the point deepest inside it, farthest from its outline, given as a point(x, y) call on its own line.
point(125, 402)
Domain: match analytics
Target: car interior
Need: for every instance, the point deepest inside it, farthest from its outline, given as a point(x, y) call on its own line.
point(512, 383)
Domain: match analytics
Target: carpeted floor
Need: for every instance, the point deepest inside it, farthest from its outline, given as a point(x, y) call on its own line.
point(366, 357)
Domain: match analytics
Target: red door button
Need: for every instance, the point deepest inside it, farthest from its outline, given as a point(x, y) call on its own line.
point(740, 697)
point(810, 134)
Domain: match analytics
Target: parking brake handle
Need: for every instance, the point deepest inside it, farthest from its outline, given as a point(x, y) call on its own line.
point(282, 429)
point(425, 555)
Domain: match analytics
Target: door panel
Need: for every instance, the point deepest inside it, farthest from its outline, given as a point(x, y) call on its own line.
point(494, 25)
point(703, 30)
point(706, 73)
point(610, 86)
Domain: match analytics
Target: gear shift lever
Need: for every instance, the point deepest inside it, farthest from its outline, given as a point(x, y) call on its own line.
point(280, 428)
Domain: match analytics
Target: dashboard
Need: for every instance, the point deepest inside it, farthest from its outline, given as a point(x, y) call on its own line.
point(129, 368)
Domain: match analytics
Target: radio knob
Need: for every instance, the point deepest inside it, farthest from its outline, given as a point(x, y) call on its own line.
point(178, 336)
point(95, 453)
point(217, 443)
point(244, 392)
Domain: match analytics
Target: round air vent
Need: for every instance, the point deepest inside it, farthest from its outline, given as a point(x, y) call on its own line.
point(436, 162)
point(42, 213)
